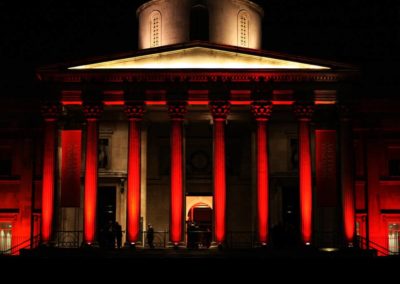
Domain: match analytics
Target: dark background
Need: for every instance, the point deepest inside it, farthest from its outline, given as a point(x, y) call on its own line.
point(366, 33)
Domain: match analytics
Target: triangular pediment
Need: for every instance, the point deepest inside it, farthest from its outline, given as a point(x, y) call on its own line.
point(199, 57)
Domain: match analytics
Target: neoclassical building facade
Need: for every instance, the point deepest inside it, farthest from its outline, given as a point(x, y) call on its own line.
point(209, 139)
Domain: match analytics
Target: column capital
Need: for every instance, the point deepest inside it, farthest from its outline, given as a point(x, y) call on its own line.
point(220, 109)
point(135, 111)
point(51, 111)
point(304, 111)
point(177, 109)
point(92, 111)
point(262, 110)
point(344, 112)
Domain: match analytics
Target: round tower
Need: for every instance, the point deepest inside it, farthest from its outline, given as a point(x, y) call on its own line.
point(228, 22)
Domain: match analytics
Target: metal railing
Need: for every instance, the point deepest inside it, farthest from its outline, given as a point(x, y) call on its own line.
point(364, 243)
point(68, 239)
point(21, 243)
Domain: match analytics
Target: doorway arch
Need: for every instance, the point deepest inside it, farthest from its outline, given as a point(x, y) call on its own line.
point(199, 216)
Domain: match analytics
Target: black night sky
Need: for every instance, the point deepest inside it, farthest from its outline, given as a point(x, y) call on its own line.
point(35, 33)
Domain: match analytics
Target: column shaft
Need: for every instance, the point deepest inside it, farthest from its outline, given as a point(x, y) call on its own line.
point(176, 181)
point(134, 182)
point(347, 180)
point(90, 200)
point(262, 181)
point(305, 181)
point(49, 163)
point(304, 112)
point(219, 111)
point(219, 179)
point(262, 111)
point(177, 111)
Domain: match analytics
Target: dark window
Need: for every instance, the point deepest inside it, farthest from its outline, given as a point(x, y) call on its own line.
point(394, 167)
point(294, 154)
point(104, 154)
point(199, 23)
point(5, 167)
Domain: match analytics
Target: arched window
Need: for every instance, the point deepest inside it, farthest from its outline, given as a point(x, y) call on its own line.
point(155, 29)
point(199, 22)
point(243, 29)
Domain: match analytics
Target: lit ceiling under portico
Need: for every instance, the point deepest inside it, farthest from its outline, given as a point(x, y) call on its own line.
point(199, 58)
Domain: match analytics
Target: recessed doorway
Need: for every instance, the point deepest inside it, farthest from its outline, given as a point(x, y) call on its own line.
point(199, 225)
point(106, 208)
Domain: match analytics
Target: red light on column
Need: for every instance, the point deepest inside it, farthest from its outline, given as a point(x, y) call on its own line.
point(347, 174)
point(177, 111)
point(135, 114)
point(90, 200)
point(48, 179)
point(219, 111)
point(262, 112)
point(50, 113)
point(304, 113)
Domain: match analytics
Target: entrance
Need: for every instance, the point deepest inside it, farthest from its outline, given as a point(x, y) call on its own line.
point(286, 231)
point(106, 207)
point(394, 238)
point(5, 237)
point(199, 226)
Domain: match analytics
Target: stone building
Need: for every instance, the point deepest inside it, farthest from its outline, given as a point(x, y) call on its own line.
point(207, 137)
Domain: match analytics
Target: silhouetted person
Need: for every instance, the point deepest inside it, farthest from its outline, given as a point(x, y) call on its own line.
point(110, 236)
point(118, 234)
point(150, 235)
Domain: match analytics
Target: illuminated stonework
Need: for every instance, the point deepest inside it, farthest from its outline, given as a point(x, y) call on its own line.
point(199, 58)
point(243, 29)
point(224, 17)
point(155, 29)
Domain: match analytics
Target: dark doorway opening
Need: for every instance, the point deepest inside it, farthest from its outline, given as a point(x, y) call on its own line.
point(106, 207)
point(199, 226)
point(199, 23)
point(287, 233)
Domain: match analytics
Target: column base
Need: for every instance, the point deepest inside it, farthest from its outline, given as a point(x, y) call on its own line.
point(90, 245)
point(178, 245)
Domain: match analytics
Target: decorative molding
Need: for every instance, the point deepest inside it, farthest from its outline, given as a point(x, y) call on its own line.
point(92, 111)
point(304, 111)
point(192, 76)
point(135, 111)
point(262, 110)
point(220, 109)
point(51, 111)
point(344, 112)
point(177, 110)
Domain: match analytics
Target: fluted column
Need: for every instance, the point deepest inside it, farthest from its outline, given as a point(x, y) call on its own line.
point(177, 111)
point(262, 113)
point(135, 112)
point(92, 114)
point(219, 111)
point(347, 174)
point(304, 113)
point(50, 114)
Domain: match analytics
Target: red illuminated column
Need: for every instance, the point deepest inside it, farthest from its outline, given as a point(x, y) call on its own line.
point(177, 111)
point(135, 114)
point(304, 113)
point(347, 174)
point(219, 111)
point(50, 113)
point(262, 113)
point(92, 114)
